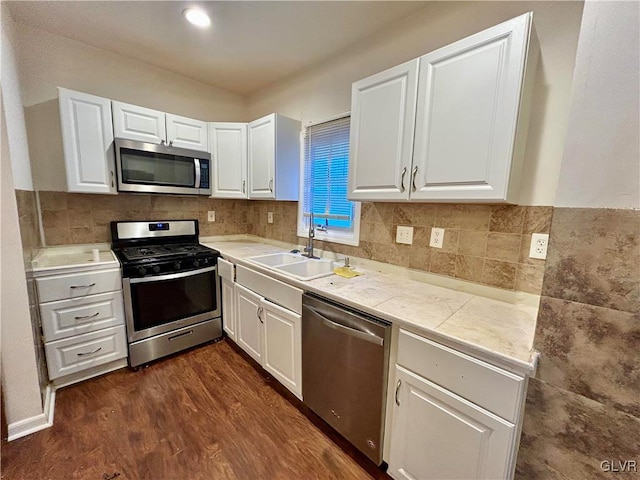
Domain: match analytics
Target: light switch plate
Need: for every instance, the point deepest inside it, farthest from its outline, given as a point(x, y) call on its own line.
point(269, 217)
point(211, 216)
point(437, 237)
point(539, 244)
point(404, 235)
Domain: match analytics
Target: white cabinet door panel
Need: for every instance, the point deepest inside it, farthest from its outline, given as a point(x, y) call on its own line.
point(438, 435)
point(282, 354)
point(87, 140)
point(138, 123)
point(468, 105)
point(248, 322)
point(228, 148)
point(261, 140)
point(382, 124)
point(185, 132)
point(229, 308)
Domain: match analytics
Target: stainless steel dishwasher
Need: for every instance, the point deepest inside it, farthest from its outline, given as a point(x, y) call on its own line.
point(345, 357)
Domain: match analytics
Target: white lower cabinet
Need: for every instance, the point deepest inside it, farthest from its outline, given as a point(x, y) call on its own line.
point(439, 435)
point(453, 416)
point(82, 317)
point(249, 333)
point(270, 333)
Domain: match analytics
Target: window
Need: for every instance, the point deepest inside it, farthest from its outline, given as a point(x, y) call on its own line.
point(324, 184)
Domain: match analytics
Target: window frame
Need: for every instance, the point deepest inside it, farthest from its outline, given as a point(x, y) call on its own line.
point(351, 237)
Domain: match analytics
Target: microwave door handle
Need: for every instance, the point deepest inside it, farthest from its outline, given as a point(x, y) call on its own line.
point(197, 164)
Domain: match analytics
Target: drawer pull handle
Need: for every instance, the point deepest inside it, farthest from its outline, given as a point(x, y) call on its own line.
point(84, 317)
point(89, 353)
point(183, 334)
point(397, 391)
point(84, 286)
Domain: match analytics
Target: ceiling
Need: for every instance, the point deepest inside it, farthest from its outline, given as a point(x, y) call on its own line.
point(249, 45)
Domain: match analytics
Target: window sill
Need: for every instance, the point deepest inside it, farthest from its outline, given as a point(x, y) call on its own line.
point(333, 237)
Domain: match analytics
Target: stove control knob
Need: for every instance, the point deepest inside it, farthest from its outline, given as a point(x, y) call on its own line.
point(196, 263)
point(142, 271)
point(156, 269)
point(177, 265)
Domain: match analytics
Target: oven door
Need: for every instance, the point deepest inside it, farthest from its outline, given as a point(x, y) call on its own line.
point(162, 303)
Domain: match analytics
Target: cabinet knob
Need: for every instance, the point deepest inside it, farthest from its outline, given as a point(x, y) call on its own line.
point(171, 143)
point(161, 142)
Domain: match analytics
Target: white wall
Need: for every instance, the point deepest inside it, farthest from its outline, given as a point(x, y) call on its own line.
point(17, 134)
point(20, 386)
point(601, 166)
point(47, 61)
point(325, 90)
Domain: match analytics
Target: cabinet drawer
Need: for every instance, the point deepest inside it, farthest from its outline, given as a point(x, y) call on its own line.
point(226, 269)
point(75, 316)
point(490, 387)
point(270, 288)
point(71, 355)
point(77, 285)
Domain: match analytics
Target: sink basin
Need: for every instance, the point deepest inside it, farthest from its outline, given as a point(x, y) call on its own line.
point(295, 265)
point(273, 259)
point(308, 269)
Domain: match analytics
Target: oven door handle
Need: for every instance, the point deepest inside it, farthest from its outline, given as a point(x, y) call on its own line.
point(172, 276)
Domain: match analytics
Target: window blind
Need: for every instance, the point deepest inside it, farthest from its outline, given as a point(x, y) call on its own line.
point(326, 169)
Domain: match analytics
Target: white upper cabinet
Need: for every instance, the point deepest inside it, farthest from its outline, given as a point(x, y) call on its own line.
point(138, 123)
point(274, 158)
point(146, 125)
point(228, 148)
point(87, 140)
point(187, 133)
point(383, 109)
point(470, 128)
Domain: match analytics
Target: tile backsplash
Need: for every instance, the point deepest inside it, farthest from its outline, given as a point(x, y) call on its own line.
point(486, 244)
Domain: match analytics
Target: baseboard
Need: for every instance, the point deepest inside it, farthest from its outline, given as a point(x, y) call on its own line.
point(36, 423)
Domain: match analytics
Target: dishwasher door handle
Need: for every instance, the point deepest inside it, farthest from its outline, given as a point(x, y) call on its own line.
point(367, 337)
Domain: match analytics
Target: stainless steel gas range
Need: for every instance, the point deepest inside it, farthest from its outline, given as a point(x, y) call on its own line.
point(171, 287)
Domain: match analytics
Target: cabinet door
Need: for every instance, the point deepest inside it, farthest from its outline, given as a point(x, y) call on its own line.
point(187, 133)
point(229, 308)
point(138, 123)
point(249, 322)
point(383, 109)
point(261, 149)
point(228, 148)
point(439, 435)
point(468, 106)
point(87, 140)
point(282, 354)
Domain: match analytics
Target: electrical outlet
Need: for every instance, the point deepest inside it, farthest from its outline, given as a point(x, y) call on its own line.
point(539, 244)
point(211, 216)
point(404, 235)
point(269, 217)
point(437, 237)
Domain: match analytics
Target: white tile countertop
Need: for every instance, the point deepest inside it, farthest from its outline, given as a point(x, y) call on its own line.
point(55, 260)
point(488, 323)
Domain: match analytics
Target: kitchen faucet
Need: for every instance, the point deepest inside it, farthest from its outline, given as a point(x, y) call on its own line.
point(312, 234)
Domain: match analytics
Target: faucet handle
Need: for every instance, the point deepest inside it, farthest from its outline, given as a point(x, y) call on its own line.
point(346, 261)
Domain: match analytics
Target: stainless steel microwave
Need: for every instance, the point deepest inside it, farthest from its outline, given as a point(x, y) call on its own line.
point(151, 168)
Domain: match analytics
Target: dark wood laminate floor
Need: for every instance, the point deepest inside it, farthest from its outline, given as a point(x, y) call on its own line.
point(204, 414)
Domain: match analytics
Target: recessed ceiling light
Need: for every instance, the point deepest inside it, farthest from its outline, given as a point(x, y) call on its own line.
point(197, 17)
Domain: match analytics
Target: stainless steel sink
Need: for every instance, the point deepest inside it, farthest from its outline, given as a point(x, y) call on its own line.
point(296, 266)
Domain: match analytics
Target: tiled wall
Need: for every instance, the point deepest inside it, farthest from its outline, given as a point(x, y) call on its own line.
point(71, 218)
point(483, 243)
point(583, 407)
point(29, 226)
